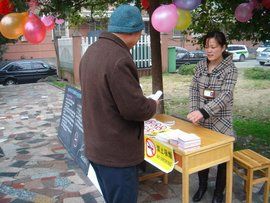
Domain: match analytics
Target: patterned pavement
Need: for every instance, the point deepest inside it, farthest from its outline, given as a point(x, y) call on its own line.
point(34, 166)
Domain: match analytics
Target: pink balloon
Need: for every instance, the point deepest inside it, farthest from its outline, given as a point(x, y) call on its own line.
point(34, 29)
point(243, 12)
point(164, 18)
point(48, 22)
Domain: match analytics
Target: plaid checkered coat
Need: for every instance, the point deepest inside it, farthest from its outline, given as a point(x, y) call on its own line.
point(222, 80)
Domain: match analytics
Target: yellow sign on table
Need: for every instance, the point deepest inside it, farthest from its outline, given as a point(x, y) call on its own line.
point(158, 154)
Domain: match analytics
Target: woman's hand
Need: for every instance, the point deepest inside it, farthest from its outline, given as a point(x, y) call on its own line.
point(195, 116)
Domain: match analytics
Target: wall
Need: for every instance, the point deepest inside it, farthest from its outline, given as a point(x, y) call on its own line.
point(84, 30)
point(25, 50)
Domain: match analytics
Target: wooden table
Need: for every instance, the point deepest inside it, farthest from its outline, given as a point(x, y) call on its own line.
point(216, 148)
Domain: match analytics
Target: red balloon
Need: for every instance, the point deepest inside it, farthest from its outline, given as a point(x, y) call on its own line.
point(254, 4)
point(145, 4)
point(266, 3)
point(34, 29)
point(6, 7)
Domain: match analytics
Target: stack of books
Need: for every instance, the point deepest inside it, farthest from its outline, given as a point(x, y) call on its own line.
point(184, 141)
point(188, 141)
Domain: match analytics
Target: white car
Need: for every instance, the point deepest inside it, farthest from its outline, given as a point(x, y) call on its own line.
point(240, 52)
point(264, 56)
point(263, 46)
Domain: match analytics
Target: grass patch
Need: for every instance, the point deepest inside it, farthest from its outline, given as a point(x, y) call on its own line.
point(253, 134)
point(257, 73)
point(176, 106)
point(257, 84)
point(257, 128)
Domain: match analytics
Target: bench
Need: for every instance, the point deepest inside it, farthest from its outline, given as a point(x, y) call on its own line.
point(253, 168)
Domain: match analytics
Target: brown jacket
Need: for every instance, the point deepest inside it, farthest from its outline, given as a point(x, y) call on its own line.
point(113, 104)
point(222, 80)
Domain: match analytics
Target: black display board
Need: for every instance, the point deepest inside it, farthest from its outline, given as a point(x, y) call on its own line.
point(70, 130)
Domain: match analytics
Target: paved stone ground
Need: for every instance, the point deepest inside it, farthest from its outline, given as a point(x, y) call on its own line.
point(34, 166)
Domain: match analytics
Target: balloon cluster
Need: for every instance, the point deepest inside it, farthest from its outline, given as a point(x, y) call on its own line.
point(244, 11)
point(14, 25)
point(176, 15)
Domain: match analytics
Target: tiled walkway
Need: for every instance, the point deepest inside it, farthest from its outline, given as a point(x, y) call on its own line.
point(34, 166)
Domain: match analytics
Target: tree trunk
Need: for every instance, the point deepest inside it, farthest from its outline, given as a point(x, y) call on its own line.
point(157, 83)
point(55, 42)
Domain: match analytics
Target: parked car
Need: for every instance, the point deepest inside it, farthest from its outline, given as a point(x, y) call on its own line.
point(24, 71)
point(264, 56)
point(190, 57)
point(180, 52)
point(240, 52)
point(263, 46)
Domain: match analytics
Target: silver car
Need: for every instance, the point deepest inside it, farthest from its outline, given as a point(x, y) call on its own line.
point(264, 56)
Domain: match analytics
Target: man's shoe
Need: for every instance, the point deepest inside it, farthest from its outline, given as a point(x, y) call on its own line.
point(218, 198)
point(199, 194)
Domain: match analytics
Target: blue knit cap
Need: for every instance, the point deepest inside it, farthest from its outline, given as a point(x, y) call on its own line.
point(126, 19)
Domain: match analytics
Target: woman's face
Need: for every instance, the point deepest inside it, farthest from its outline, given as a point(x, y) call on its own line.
point(213, 50)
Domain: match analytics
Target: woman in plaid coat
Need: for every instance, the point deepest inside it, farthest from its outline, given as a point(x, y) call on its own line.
point(211, 101)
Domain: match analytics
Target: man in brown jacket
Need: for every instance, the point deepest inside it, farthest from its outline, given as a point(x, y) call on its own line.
point(114, 107)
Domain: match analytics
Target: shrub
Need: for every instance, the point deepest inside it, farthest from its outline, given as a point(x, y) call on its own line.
point(186, 69)
point(257, 73)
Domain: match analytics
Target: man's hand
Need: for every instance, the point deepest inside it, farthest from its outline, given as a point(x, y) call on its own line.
point(195, 116)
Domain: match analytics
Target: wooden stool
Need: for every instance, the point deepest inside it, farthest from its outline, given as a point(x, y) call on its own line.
point(246, 163)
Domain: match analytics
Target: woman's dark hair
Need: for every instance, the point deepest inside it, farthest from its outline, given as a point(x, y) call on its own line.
point(219, 37)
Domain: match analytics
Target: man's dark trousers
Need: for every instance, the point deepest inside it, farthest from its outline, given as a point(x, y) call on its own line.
point(118, 185)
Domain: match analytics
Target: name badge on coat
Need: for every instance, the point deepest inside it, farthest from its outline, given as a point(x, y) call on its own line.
point(208, 93)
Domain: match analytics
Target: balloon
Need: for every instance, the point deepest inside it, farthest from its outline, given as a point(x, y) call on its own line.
point(145, 4)
point(59, 21)
point(164, 18)
point(6, 7)
point(184, 19)
point(266, 3)
point(34, 29)
point(48, 22)
point(12, 25)
point(187, 4)
point(243, 12)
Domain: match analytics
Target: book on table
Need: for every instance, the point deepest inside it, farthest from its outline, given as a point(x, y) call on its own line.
point(180, 139)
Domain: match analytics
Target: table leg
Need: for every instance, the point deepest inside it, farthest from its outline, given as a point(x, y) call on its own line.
point(266, 186)
point(165, 179)
point(249, 186)
point(229, 178)
point(185, 183)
